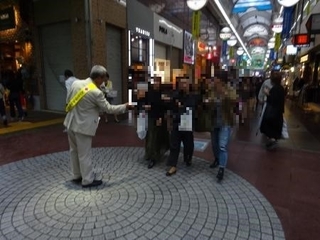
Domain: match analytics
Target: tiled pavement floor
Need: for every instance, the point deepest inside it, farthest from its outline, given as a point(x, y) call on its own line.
point(37, 200)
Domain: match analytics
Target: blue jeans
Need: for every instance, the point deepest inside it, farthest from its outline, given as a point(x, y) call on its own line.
point(220, 138)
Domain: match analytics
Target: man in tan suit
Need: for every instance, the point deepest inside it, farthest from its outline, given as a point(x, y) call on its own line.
point(85, 102)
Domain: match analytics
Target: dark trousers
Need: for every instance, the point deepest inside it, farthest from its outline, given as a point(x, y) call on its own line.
point(2, 108)
point(176, 137)
point(157, 140)
point(14, 99)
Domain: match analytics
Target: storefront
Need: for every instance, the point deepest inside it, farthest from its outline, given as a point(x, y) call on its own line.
point(167, 49)
point(140, 42)
point(16, 46)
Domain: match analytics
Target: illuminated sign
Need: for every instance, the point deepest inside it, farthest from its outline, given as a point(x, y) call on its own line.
point(142, 32)
point(7, 19)
point(305, 58)
point(291, 50)
point(301, 40)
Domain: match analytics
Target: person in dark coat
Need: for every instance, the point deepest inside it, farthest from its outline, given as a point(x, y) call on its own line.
point(272, 121)
point(157, 139)
point(182, 111)
point(15, 85)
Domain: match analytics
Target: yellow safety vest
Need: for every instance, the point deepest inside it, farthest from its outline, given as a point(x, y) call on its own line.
point(76, 98)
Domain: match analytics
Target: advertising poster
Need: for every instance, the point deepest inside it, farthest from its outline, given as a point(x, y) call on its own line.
point(188, 48)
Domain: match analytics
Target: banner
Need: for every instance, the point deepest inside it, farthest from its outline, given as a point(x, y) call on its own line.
point(188, 48)
point(287, 22)
point(196, 17)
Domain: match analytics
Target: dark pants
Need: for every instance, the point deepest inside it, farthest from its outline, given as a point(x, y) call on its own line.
point(14, 99)
point(157, 141)
point(176, 137)
point(2, 108)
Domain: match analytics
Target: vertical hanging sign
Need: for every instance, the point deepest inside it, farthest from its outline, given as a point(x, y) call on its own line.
point(196, 24)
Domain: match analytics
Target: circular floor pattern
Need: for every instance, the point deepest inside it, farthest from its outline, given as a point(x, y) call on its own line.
point(38, 201)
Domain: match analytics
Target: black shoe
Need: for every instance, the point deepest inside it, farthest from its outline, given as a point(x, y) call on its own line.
point(5, 123)
point(214, 164)
point(271, 145)
point(220, 174)
point(95, 183)
point(77, 180)
point(188, 162)
point(151, 163)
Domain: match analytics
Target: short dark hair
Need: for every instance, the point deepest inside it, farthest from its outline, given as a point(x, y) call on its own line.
point(276, 78)
point(68, 73)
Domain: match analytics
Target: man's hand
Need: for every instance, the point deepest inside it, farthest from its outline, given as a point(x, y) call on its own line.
point(129, 107)
point(147, 107)
point(159, 122)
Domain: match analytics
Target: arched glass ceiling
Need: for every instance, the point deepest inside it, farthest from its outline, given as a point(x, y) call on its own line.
point(252, 17)
point(255, 17)
point(256, 29)
point(241, 6)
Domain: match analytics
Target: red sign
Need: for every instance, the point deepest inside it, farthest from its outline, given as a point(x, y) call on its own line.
point(216, 54)
point(301, 39)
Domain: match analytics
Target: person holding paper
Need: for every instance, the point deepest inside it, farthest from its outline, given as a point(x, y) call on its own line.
point(182, 111)
point(85, 101)
point(157, 139)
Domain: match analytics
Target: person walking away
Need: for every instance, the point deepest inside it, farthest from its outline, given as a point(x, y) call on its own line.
point(69, 79)
point(272, 119)
point(68, 74)
point(15, 87)
point(182, 112)
point(224, 104)
point(85, 101)
point(2, 106)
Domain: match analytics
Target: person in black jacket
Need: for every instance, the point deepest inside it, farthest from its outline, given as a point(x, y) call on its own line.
point(157, 139)
point(182, 111)
point(272, 119)
point(15, 85)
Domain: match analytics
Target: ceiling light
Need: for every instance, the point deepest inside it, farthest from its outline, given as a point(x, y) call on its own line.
point(196, 5)
point(287, 3)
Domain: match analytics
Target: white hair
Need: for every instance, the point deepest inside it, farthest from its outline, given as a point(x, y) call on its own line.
point(98, 71)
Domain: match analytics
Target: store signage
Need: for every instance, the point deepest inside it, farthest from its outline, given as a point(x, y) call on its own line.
point(301, 40)
point(202, 47)
point(7, 19)
point(188, 48)
point(163, 30)
point(313, 24)
point(142, 32)
point(291, 50)
point(139, 18)
point(166, 32)
point(305, 58)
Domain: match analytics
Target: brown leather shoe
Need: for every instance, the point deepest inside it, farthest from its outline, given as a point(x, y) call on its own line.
point(171, 171)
